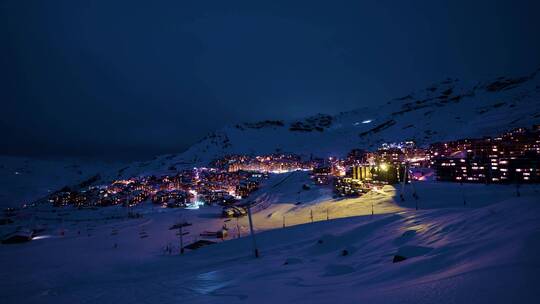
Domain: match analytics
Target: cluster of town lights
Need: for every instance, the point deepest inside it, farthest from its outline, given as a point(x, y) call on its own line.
point(511, 157)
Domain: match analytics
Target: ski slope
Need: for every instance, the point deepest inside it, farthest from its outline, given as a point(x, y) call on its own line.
point(484, 252)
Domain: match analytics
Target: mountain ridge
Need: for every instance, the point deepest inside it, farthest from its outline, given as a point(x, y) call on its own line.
point(446, 110)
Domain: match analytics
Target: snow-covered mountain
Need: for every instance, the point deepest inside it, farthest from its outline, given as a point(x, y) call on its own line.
point(450, 109)
point(314, 249)
point(23, 180)
point(446, 110)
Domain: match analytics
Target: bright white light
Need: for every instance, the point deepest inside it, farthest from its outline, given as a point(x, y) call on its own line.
point(41, 237)
point(195, 205)
point(367, 121)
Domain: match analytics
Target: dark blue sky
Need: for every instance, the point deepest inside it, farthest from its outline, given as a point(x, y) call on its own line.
point(130, 79)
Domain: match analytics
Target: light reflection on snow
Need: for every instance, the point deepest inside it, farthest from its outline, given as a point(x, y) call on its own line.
point(41, 237)
point(208, 282)
point(419, 227)
point(195, 205)
point(366, 121)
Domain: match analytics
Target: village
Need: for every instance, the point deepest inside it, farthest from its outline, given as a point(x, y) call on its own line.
point(512, 157)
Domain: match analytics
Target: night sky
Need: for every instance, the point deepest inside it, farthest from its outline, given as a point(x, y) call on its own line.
point(131, 79)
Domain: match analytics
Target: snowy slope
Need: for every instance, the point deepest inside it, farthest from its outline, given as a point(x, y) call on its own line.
point(485, 252)
point(447, 110)
point(23, 180)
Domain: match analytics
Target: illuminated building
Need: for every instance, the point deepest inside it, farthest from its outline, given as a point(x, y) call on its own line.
point(321, 174)
point(362, 172)
point(511, 157)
